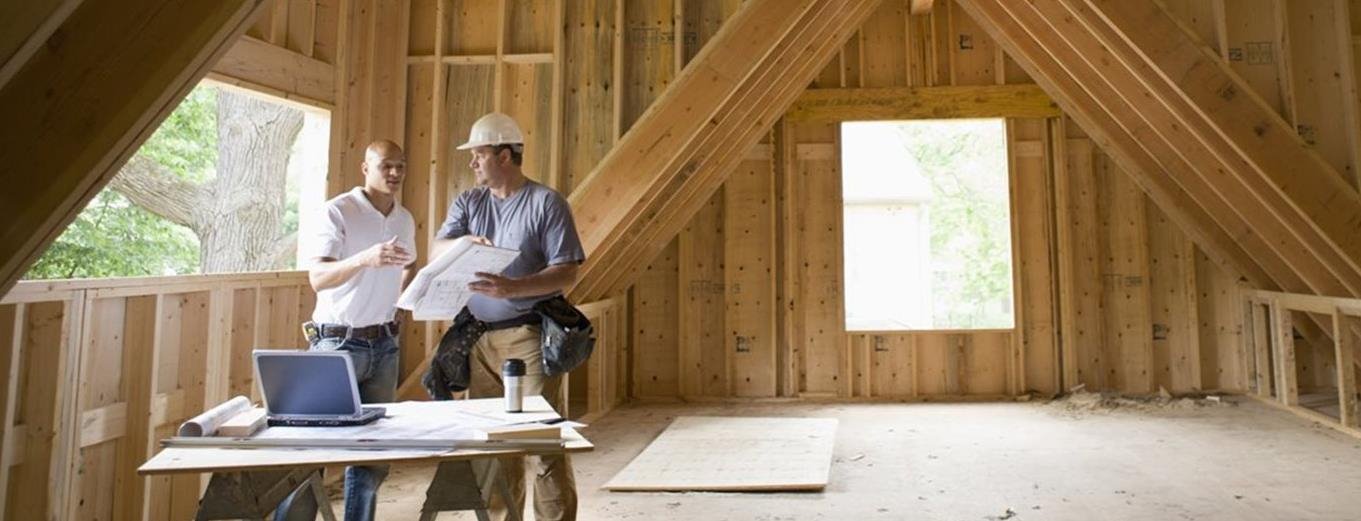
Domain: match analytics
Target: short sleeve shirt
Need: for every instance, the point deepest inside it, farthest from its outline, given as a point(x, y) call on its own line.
point(535, 220)
point(349, 224)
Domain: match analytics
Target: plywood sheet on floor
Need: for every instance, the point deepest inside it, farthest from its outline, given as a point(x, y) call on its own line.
point(734, 454)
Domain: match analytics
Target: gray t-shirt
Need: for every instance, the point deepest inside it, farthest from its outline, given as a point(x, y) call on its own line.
point(534, 220)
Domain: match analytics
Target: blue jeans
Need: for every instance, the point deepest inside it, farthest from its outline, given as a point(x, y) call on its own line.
point(375, 366)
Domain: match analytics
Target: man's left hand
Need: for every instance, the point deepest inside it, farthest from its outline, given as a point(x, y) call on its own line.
point(495, 286)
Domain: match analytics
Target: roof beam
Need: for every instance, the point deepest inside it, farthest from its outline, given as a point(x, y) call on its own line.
point(681, 150)
point(87, 99)
point(1180, 122)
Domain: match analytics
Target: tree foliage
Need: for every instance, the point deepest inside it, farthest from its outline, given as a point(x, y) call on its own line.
point(113, 237)
point(965, 162)
point(130, 229)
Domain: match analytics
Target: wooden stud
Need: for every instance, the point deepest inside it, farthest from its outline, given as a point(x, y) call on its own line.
point(1345, 336)
point(1283, 352)
point(13, 328)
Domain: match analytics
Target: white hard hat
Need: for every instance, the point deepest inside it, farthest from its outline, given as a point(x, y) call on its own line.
point(494, 129)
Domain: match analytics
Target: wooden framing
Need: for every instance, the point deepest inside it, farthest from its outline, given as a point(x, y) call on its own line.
point(720, 87)
point(146, 55)
point(257, 65)
point(891, 103)
point(1274, 310)
point(112, 366)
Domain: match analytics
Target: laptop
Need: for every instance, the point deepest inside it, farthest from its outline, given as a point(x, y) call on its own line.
point(311, 389)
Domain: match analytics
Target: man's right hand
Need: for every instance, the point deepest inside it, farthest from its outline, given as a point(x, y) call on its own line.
point(386, 254)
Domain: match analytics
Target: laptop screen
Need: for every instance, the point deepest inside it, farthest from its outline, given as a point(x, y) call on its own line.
point(307, 383)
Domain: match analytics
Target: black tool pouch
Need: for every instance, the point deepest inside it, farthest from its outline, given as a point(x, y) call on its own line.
point(451, 369)
point(568, 337)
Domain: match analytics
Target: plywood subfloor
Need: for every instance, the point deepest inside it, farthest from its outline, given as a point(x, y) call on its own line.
point(977, 461)
point(733, 454)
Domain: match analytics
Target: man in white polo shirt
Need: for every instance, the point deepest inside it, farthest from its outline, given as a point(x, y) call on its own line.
point(361, 255)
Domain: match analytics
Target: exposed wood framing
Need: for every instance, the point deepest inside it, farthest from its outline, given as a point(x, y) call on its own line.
point(1095, 57)
point(889, 103)
point(119, 70)
point(257, 65)
point(637, 199)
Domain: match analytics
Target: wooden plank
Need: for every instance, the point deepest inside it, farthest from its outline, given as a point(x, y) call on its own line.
point(473, 27)
point(789, 265)
point(301, 36)
point(1080, 251)
point(1036, 298)
point(291, 75)
point(588, 106)
point(1325, 105)
point(188, 348)
point(529, 26)
point(146, 54)
point(749, 256)
point(1261, 350)
point(1283, 352)
point(25, 28)
point(526, 91)
point(654, 323)
point(1311, 199)
point(1252, 48)
point(1089, 109)
point(98, 426)
point(468, 96)
point(659, 198)
point(734, 454)
point(892, 365)
point(823, 347)
point(864, 104)
point(1345, 334)
point(703, 350)
point(1223, 364)
point(884, 42)
point(101, 412)
point(12, 324)
point(139, 345)
point(1172, 292)
point(972, 51)
point(42, 329)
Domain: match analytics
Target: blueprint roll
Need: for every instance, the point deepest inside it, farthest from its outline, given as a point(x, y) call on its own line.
point(512, 371)
point(206, 424)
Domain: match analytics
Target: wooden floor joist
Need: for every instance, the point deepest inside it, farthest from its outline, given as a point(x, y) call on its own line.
point(88, 98)
point(678, 153)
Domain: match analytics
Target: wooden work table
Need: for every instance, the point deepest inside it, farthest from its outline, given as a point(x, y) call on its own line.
point(249, 482)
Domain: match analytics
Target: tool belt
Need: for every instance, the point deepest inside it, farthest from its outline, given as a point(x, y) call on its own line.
point(567, 340)
point(314, 331)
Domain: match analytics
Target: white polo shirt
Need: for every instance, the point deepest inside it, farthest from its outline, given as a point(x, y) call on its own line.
point(350, 224)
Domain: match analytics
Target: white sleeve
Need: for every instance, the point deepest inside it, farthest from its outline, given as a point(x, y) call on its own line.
point(328, 238)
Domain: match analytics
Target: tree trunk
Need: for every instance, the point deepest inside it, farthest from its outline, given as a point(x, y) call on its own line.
point(241, 220)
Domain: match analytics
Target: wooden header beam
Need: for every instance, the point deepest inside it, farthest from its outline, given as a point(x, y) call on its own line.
point(271, 69)
point(85, 101)
point(899, 103)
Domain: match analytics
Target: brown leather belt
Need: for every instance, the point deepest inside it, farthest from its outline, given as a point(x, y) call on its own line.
point(373, 332)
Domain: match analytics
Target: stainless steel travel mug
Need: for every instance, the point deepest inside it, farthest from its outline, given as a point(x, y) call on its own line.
point(512, 372)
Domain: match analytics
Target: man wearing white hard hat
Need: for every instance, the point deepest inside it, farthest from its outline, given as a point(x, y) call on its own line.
point(509, 210)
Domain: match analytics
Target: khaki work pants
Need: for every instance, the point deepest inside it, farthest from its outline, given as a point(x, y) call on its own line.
point(555, 493)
